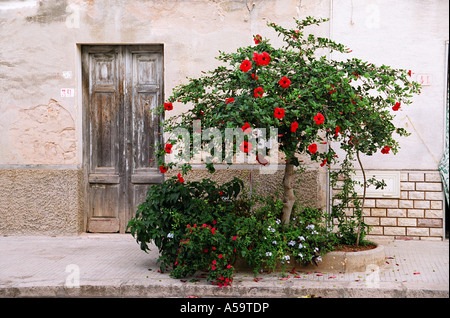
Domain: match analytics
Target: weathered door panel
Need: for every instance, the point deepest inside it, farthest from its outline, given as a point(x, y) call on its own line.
point(145, 95)
point(121, 87)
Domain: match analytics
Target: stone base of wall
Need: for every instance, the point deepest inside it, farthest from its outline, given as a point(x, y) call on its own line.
point(418, 213)
point(50, 201)
point(41, 202)
point(309, 187)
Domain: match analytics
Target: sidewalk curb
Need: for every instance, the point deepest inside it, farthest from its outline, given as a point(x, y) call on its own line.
point(185, 290)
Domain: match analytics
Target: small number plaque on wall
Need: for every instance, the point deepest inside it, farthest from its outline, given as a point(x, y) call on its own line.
point(67, 92)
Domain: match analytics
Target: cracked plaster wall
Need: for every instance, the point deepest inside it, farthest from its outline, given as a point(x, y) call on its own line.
point(40, 54)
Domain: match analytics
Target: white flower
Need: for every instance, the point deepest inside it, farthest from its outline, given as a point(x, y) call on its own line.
point(257, 132)
point(170, 235)
point(301, 238)
point(269, 254)
point(291, 243)
point(286, 257)
point(261, 143)
point(300, 245)
point(300, 254)
point(310, 227)
point(274, 242)
point(316, 249)
point(278, 221)
point(319, 259)
point(314, 232)
point(271, 229)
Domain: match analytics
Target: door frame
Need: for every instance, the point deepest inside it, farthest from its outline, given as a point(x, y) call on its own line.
point(85, 122)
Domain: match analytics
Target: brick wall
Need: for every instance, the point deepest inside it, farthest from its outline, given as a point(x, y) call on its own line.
point(417, 214)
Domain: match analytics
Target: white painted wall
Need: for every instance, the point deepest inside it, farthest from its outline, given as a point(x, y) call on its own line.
point(409, 35)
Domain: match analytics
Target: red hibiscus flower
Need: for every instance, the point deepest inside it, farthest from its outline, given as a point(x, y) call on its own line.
point(324, 162)
point(285, 82)
point(261, 59)
point(294, 126)
point(229, 100)
point(255, 58)
point(246, 128)
point(168, 148)
point(258, 92)
point(336, 131)
point(396, 106)
point(163, 169)
point(180, 178)
point(255, 77)
point(264, 59)
point(332, 91)
point(246, 65)
point(245, 147)
point(319, 119)
point(168, 106)
point(279, 113)
point(312, 148)
point(385, 150)
point(257, 39)
point(409, 73)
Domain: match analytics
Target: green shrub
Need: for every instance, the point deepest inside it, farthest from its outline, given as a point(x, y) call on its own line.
point(201, 226)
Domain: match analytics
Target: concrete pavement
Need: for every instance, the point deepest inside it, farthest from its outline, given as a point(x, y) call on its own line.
point(112, 265)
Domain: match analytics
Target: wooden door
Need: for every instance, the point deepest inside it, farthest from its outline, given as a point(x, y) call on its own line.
point(121, 87)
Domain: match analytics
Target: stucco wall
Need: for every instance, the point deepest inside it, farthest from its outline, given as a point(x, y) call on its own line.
point(410, 35)
point(40, 55)
point(41, 201)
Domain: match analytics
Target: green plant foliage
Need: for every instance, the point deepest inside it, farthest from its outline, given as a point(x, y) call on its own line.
point(201, 226)
point(356, 99)
point(172, 205)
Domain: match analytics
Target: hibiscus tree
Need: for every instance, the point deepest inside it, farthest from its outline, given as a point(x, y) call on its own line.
point(308, 97)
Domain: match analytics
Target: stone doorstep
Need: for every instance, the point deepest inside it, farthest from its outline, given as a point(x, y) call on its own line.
point(336, 261)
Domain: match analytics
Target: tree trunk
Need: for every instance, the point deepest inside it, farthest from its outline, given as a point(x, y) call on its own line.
point(358, 231)
point(288, 195)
